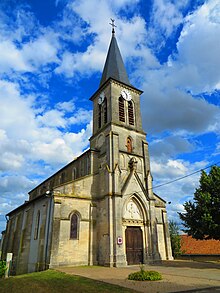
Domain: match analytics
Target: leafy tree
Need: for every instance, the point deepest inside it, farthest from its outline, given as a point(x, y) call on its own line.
point(3, 268)
point(175, 238)
point(202, 216)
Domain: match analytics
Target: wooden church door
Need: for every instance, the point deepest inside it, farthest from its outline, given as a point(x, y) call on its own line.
point(134, 245)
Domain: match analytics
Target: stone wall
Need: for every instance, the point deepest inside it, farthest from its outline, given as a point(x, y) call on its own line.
point(24, 239)
point(80, 167)
point(67, 251)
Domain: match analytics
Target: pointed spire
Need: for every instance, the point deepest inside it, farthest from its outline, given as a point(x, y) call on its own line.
point(114, 65)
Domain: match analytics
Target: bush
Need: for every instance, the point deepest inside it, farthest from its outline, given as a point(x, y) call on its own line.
point(3, 268)
point(145, 276)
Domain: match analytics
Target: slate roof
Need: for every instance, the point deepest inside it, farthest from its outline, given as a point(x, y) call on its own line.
point(114, 65)
point(192, 246)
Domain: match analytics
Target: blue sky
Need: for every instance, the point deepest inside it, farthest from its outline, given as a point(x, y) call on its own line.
point(51, 57)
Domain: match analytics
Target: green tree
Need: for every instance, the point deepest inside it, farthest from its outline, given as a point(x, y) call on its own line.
point(202, 215)
point(3, 268)
point(175, 238)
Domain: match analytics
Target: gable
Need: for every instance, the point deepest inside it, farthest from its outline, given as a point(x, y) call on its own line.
point(160, 203)
point(133, 185)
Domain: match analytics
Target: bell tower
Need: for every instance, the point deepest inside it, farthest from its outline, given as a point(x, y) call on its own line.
point(116, 102)
point(122, 177)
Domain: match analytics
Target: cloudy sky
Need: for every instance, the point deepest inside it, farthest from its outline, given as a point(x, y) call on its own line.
point(51, 58)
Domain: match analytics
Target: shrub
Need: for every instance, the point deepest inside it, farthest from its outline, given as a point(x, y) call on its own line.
point(145, 276)
point(3, 268)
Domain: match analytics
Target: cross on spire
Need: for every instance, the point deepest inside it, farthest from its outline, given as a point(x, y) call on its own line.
point(113, 25)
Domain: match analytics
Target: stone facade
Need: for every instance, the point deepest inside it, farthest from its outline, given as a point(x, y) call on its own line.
point(100, 208)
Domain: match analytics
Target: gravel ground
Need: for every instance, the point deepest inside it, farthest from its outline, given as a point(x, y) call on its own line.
point(177, 276)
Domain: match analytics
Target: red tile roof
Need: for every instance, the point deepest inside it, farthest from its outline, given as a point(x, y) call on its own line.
point(190, 245)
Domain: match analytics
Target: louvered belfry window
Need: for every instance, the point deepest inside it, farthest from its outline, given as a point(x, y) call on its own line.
point(105, 111)
point(121, 109)
point(74, 227)
point(100, 116)
point(130, 113)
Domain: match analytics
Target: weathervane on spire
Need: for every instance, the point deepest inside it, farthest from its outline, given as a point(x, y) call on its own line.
point(113, 25)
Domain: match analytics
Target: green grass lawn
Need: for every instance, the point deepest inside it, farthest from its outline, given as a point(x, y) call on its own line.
point(54, 282)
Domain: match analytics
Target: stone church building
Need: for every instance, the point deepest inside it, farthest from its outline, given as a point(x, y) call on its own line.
point(99, 209)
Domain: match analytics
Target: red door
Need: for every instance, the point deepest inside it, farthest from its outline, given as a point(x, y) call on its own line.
point(134, 245)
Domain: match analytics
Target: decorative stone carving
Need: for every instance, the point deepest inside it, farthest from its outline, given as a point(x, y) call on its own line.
point(133, 163)
point(132, 211)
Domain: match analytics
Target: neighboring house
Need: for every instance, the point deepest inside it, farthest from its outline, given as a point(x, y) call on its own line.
point(200, 249)
point(100, 208)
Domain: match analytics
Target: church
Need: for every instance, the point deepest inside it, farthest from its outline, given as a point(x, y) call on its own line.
point(100, 209)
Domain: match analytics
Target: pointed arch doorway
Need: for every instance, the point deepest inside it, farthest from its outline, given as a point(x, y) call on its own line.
point(134, 245)
point(133, 220)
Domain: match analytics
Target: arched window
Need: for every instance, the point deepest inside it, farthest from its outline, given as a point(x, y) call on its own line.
point(121, 109)
point(129, 145)
point(100, 116)
point(74, 226)
point(37, 224)
point(130, 113)
point(105, 110)
point(62, 177)
point(74, 173)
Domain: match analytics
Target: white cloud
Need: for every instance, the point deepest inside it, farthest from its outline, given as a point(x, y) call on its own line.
point(169, 103)
point(52, 118)
point(11, 161)
point(172, 169)
point(84, 63)
point(48, 151)
point(169, 147)
point(217, 150)
point(165, 18)
point(41, 51)
point(132, 44)
point(169, 109)
point(15, 183)
point(176, 192)
point(16, 114)
point(66, 106)
point(25, 46)
point(198, 49)
point(81, 116)
point(79, 141)
point(12, 58)
point(165, 173)
point(29, 57)
point(26, 135)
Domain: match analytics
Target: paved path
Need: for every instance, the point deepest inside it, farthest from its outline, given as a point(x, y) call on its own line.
point(178, 276)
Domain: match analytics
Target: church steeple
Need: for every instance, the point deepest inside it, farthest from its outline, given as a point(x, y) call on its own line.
point(114, 65)
point(116, 102)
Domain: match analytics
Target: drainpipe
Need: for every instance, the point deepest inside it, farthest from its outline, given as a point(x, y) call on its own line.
point(48, 194)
